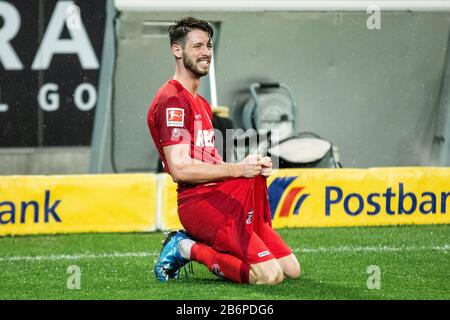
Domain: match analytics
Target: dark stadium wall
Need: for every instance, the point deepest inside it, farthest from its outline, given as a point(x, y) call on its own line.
point(374, 93)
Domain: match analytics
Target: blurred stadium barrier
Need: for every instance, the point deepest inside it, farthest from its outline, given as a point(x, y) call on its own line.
point(74, 204)
point(347, 197)
point(298, 198)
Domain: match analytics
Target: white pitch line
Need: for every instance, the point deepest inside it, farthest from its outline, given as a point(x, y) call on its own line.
point(445, 248)
point(79, 256)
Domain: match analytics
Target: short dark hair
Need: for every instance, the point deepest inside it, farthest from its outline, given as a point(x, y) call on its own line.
point(179, 31)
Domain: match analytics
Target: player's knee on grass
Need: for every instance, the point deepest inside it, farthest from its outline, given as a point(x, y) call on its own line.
point(268, 272)
point(290, 266)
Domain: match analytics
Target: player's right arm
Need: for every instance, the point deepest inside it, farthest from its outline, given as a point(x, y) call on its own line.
point(187, 170)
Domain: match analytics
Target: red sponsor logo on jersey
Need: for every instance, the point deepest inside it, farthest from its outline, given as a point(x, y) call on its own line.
point(175, 117)
point(204, 138)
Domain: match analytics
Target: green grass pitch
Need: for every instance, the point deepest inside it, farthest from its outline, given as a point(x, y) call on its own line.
point(414, 263)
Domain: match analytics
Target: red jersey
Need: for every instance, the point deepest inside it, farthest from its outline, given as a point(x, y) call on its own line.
point(176, 116)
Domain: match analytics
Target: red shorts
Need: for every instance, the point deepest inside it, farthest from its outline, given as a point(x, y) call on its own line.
point(233, 217)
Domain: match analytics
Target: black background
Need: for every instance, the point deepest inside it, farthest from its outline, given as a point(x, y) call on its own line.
point(25, 124)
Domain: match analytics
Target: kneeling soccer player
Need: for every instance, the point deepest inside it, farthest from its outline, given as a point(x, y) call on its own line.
point(223, 206)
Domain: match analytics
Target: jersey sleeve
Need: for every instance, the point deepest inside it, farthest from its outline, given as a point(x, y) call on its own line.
point(173, 121)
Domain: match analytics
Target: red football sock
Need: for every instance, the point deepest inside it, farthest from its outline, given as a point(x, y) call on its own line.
point(221, 264)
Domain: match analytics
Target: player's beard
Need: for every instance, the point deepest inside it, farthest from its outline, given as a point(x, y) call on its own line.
point(192, 66)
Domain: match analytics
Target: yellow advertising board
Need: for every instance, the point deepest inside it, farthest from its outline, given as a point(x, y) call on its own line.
point(84, 203)
point(345, 197)
point(168, 215)
point(359, 197)
point(298, 198)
